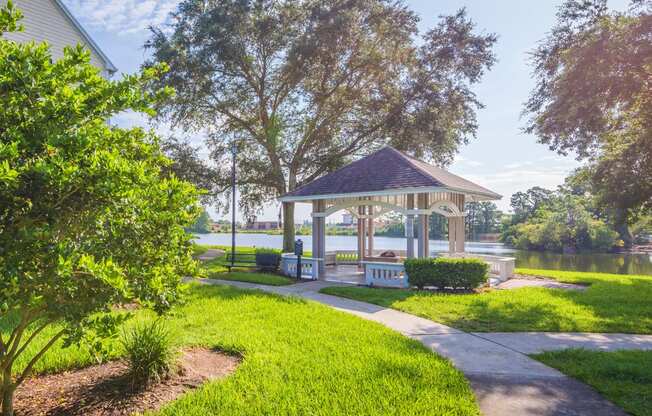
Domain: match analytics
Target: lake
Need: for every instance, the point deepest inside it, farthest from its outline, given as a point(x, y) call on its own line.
point(604, 263)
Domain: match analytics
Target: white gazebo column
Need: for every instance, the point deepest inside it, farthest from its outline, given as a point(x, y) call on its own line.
point(361, 234)
point(370, 231)
point(452, 229)
point(456, 234)
point(409, 227)
point(460, 235)
point(319, 236)
point(423, 249)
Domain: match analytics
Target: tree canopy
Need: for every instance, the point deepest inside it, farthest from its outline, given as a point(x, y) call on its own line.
point(592, 98)
point(561, 221)
point(202, 225)
point(304, 86)
point(88, 217)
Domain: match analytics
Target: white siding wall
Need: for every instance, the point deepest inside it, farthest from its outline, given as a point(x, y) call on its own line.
point(43, 20)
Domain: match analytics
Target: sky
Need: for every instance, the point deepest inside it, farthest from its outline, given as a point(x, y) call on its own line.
point(501, 158)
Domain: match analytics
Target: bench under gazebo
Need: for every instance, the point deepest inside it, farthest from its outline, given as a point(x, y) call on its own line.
point(385, 181)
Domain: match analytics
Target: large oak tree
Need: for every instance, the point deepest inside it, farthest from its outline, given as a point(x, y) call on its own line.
point(594, 98)
point(304, 86)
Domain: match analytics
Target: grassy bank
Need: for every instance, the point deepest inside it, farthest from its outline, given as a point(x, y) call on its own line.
point(611, 303)
point(216, 268)
point(300, 358)
point(624, 377)
point(257, 277)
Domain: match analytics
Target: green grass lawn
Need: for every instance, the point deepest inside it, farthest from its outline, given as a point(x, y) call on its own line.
point(300, 358)
point(218, 265)
point(260, 278)
point(216, 269)
point(624, 377)
point(612, 303)
point(198, 249)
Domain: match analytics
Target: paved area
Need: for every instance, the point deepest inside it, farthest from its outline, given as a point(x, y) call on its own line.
point(536, 342)
point(210, 254)
point(505, 380)
point(345, 273)
point(517, 283)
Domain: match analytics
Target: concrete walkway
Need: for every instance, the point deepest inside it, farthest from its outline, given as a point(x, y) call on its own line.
point(536, 342)
point(210, 254)
point(505, 380)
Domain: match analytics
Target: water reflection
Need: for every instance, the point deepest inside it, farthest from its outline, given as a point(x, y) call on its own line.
point(605, 263)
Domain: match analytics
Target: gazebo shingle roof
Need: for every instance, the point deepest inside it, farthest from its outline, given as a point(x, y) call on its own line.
point(387, 170)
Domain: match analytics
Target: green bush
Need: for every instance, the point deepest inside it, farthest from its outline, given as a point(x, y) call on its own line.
point(446, 273)
point(149, 351)
point(265, 250)
point(268, 258)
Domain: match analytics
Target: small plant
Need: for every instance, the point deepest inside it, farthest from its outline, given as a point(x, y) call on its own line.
point(149, 352)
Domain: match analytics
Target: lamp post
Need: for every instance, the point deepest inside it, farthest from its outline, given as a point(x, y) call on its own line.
point(233, 153)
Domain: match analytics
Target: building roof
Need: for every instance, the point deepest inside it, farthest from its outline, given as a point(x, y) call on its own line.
point(384, 172)
point(89, 40)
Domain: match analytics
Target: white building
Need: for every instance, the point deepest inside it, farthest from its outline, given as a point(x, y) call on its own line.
point(52, 22)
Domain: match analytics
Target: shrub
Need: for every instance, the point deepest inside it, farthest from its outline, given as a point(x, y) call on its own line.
point(446, 273)
point(149, 352)
point(268, 258)
point(265, 250)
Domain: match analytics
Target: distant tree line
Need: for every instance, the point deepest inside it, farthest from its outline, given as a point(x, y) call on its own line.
point(481, 218)
point(560, 221)
point(570, 219)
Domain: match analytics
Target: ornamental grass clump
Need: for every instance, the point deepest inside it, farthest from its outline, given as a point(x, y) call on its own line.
point(446, 273)
point(149, 351)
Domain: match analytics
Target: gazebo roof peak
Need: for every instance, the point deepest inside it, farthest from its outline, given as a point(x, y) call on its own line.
point(387, 172)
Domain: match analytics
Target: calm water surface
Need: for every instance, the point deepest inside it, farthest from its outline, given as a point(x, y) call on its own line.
point(605, 263)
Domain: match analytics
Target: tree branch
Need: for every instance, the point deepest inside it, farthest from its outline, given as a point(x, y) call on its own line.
point(37, 357)
point(31, 338)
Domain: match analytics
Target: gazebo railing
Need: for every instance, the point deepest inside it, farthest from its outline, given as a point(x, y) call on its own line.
point(337, 257)
point(309, 266)
point(385, 274)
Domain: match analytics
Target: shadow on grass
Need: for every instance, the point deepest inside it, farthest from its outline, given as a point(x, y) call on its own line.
point(205, 291)
point(609, 304)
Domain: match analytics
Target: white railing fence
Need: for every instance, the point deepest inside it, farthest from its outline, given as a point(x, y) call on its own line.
point(309, 266)
point(499, 266)
point(336, 257)
point(385, 274)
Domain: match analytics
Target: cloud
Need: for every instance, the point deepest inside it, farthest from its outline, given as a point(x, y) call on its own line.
point(521, 176)
point(122, 16)
point(517, 165)
point(461, 160)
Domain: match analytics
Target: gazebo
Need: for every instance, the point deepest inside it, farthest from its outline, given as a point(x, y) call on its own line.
point(387, 180)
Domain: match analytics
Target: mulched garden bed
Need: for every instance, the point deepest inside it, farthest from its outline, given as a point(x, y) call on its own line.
point(105, 389)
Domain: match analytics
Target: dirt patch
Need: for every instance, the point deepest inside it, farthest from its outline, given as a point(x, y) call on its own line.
point(104, 390)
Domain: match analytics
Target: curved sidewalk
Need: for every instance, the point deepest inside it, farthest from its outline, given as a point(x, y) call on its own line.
point(505, 380)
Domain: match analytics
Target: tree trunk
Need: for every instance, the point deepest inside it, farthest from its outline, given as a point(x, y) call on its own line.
point(288, 227)
point(7, 395)
point(622, 227)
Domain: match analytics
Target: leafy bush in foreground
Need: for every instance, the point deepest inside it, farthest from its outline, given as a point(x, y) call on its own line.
point(91, 215)
point(446, 273)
